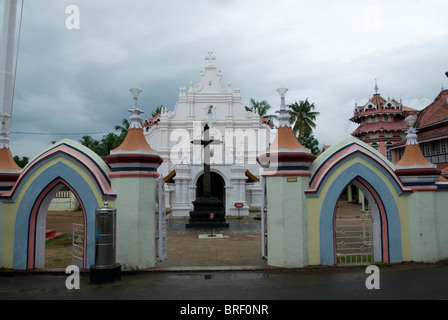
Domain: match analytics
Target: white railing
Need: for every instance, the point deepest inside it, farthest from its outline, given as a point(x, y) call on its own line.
point(354, 240)
point(78, 245)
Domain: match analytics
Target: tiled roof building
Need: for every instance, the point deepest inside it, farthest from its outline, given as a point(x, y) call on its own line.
point(432, 132)
point(381, 122)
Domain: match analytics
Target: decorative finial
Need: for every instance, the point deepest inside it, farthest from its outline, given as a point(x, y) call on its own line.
point(4, 135)
point(283, 118)
point(411, 137)
point(135, 92)
point(210, 57)
point(376, 87)
point(135, 111)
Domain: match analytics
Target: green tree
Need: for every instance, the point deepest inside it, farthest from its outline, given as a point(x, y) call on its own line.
point(302, 115)
point(310, 142)
point(262, 108)
point(123, 129)
point(157, 111)
point(109, 142)
point(21, 162)
point(90, 143)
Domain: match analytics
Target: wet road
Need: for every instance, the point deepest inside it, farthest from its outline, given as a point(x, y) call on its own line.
point(404, 282)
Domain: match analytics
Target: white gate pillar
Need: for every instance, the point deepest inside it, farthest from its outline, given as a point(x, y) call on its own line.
point(286, 164)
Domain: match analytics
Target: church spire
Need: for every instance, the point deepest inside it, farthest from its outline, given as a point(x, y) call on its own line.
point(376, 87)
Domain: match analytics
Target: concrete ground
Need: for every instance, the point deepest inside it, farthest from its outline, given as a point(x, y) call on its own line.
point(230, 268)
point(236, 247)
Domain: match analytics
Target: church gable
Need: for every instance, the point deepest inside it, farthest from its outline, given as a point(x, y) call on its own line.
point(208, 98)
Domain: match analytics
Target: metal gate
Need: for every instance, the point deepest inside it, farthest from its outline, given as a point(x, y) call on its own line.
point(78, 245)
point(354, 239)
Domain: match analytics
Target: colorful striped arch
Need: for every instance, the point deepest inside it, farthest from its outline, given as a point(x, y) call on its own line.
point(66, 163)
point(352, 161)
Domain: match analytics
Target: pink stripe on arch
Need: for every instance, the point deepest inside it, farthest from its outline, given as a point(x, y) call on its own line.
point(80, 159)
point(340, 156)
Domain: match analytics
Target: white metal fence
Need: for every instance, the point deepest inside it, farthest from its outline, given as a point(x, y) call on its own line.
point(78, 245)
point(354, 239)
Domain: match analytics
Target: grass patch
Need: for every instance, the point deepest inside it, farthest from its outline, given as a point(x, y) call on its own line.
point(60, 241)
point(58, 252)
point(354, 259)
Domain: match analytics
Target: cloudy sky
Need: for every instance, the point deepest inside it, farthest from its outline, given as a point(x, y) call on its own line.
point(75, 81)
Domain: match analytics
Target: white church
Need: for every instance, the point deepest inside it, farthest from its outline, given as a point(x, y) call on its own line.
point(239, 136)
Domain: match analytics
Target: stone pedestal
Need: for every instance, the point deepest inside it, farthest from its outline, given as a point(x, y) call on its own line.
point(200, 216)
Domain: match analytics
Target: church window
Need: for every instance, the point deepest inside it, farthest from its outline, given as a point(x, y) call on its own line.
point(436, 147)
point(428, 149)
point(389, 153)
point(375, 146)
point(386, 117)
point(443, 146)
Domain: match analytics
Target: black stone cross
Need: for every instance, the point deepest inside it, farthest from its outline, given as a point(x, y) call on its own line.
point(207, 204)
point(206, 143)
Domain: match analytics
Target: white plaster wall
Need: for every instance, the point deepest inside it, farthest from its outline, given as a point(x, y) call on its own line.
point(422, 206)
point(441, 222)
point(136, 222)
point(287, 222)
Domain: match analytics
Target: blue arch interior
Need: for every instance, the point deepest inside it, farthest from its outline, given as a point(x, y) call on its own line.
point(328, 205)
point(86, 195)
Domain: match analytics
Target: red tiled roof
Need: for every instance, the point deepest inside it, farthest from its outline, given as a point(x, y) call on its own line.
point(435, 112)
point(151, 121)
point(381, 125)
point(433, 134)
point(379, 102)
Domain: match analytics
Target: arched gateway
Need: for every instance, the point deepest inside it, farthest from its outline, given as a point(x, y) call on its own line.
point(66, 163)
point(407, 200)
point(353, 162)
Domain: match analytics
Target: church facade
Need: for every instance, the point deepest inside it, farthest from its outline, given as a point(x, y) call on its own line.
point(239, 136)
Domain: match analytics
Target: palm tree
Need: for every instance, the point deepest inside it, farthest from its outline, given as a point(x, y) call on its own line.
point(157, 111)
point(123, 130)
point(262, 108)
point(124, 126)
point(109, 142)
point(90, 143)
point(303, 117)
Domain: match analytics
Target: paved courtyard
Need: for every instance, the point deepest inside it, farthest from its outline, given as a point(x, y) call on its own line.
point(236, 246)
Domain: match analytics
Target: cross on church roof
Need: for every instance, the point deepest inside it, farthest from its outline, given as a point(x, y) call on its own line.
point(210, 57)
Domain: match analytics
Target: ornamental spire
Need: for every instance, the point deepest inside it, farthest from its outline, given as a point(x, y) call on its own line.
point(283, 117)
point(411, 137)
point(4, 134)
point(136, 120)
